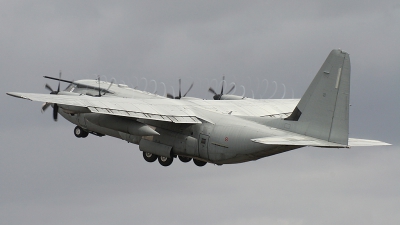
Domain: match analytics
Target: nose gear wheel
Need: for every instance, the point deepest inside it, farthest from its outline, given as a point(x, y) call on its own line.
point(80, 132)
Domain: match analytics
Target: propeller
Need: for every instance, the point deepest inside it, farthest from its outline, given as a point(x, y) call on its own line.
point(52, 92)
point(218, 96)
point(180, 93)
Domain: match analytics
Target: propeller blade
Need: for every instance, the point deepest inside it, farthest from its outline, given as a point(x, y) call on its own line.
point(59, 82)
point(55, 112)
point(45, 106)
point(49, 88)
point(188, 90)
point(53, 78)
point(233, 87)
point(222, 88)
point(112, 82)
point(98, 79)
point(212, 91)
point(180, 96)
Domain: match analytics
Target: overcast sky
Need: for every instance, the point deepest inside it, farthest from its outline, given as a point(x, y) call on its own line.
point(47, 176)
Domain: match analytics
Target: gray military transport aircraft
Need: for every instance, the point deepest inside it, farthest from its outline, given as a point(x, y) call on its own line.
point(219, 132)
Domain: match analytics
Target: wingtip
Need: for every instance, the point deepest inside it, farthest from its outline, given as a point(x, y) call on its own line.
point(386, 144)
point(17, 95)
point(13, 94)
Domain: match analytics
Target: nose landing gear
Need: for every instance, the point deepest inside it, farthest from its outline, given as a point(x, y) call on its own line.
point(80, 132)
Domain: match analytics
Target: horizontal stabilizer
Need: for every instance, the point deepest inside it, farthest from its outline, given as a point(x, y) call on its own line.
point(354, 142)
point(301, 140)
point(298, 140)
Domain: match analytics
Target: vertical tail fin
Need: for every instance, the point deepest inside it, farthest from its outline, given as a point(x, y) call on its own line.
point(323, 111)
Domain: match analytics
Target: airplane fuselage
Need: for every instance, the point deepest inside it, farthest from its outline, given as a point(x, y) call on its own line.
point(225, 141)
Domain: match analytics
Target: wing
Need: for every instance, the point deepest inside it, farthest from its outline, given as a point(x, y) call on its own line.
point(249, 107)
point(150, 109)
point(169, 110)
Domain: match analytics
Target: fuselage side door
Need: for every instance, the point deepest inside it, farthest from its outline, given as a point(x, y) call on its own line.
point(203, 145)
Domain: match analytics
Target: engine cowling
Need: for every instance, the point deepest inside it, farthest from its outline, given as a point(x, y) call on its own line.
point(231, 97)
point(121, 124)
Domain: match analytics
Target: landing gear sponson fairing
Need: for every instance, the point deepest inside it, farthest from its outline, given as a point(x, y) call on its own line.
point(219, 132)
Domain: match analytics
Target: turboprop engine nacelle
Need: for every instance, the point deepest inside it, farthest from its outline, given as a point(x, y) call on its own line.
point(231, 97)
point(121, 124)
point(74, 109)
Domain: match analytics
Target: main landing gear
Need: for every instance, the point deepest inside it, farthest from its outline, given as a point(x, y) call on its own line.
point(165, 161)
point(184, 159)
point(80, 132)
point(149, 157)
point(199, 163)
